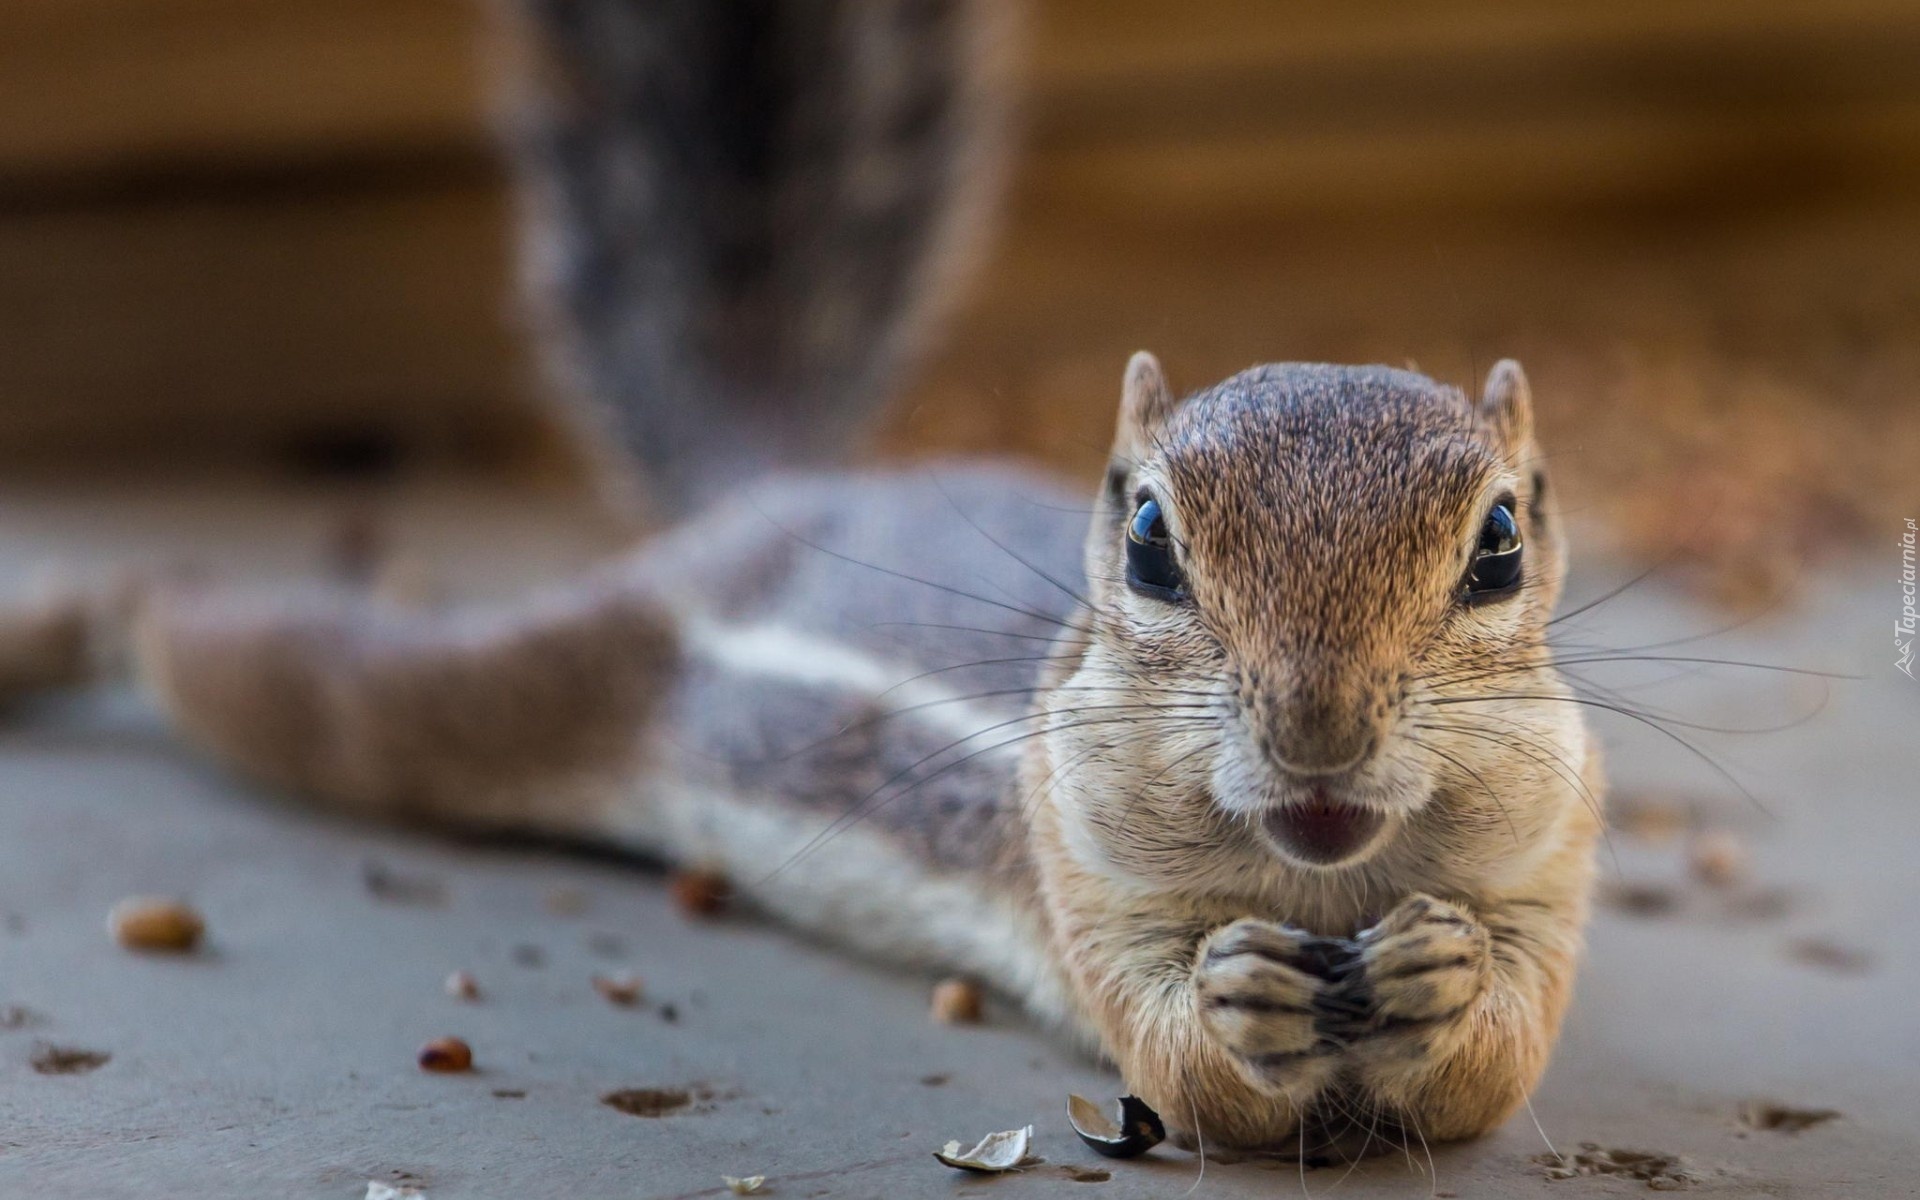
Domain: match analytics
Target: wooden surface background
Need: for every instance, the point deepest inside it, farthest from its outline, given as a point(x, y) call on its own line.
point(223, 222)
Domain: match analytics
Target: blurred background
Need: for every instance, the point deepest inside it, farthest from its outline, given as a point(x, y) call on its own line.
point(279, 236)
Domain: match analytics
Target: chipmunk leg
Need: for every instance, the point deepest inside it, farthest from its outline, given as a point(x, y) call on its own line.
point(480, 719)
point(1465, 1008)
point(1209, 1020)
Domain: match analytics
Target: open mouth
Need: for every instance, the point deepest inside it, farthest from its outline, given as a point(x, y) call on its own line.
point(1321, 830)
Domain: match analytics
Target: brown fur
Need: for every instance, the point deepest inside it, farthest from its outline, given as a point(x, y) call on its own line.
point(840, 691)
point(1323, 516)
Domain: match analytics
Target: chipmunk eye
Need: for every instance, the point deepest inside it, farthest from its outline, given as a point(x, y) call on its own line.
point(1151, 569)
point(1496, 560)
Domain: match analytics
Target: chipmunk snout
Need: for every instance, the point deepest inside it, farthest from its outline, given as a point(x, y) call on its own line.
point(1319, 724)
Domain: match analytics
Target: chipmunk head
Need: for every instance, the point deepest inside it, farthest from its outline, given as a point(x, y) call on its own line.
point(1295, 574)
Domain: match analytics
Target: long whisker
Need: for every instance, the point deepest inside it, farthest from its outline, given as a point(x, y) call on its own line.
point(1630, 713)
point(866, 806)
point(1031, 614)
point(1492, 795)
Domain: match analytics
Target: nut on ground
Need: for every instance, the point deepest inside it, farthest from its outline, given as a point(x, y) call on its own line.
point(447, 1055)
point(1718, 858)
point(155, 923)
point(700, 892)
point(957, 1002)
point(622, 988)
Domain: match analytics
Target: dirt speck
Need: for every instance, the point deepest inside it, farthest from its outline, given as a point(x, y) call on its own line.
point(49, 1059)
point(1831, 955)
point(1641, 899)
point(654, 1102)
point(526, 954)
point(1086, 1174)
point(384, 883)
point(509, 1094)
point(935, 1080)
point(1660, 1172)
point(14, 1016)
point(1783, 1118)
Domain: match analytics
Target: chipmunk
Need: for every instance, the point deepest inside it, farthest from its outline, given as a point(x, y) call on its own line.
point(1258, 781)
point(1261, 784)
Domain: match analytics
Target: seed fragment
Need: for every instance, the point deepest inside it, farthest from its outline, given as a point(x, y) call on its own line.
point(156, 924)
point(622, 988)
point(447, 1054)
point(751, 1185)
point(957, 1002)
point(1718, 858)
point(49, 1059)
point(461, 985)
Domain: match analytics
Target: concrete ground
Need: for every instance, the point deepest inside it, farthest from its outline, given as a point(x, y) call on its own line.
point(280, 1061)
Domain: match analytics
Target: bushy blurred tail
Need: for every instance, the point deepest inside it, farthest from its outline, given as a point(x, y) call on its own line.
point(741, 217)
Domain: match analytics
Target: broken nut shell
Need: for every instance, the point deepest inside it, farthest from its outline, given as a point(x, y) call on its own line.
point(1138, 1129)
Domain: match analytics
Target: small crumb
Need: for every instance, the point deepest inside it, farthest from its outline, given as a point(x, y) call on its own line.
point(1781, 1118)
point(376, 1190)
point(670, 1014)
point(1832, 955)
point(1640, 899)
point(1718, 858)
point(461, 985)
point(49, 1059)
point(14, 1016)
point(700, 892)
point(509, 1094)
point(935, 1080)
point(957, 1002)
point(1086, 1174)
point(751, 1185)
point(622, 989)
point(527, 954)
point(156, 924)
point(566, 902)
point(446, 1055)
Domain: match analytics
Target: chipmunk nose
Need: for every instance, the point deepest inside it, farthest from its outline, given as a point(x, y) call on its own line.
point(1321, 740)
point(1322, 726)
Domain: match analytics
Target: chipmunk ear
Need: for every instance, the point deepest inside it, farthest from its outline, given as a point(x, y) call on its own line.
point(1145, 403)
point(1506, 405)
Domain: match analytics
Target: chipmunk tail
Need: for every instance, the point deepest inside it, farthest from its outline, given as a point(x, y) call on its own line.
point(740, 223)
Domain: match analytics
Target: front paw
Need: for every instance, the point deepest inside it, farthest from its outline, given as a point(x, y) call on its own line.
point(1422, 969)
point(1275, 997)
